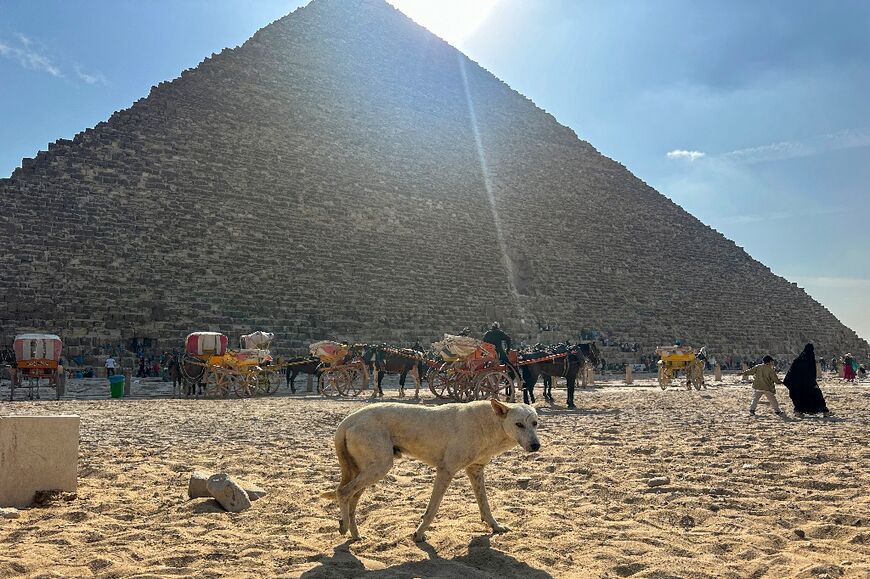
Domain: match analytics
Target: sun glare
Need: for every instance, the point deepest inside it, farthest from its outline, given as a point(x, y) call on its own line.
point(452, 20)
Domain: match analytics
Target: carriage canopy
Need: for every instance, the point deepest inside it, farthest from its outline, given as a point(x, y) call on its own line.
point(257, 340)
point(206, 344)
point(37, 347)
point(452, 347)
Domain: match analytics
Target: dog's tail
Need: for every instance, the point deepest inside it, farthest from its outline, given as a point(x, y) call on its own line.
point(345, 461)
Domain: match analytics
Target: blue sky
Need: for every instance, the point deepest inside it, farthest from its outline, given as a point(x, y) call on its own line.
point(752, 115)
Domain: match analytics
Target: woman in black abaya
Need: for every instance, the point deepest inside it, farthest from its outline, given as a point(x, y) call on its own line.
point(802, 386)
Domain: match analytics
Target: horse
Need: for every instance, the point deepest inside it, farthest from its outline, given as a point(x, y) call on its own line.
point(575, 358)
point(308, 365)
point(384, 359)
point(186, 376)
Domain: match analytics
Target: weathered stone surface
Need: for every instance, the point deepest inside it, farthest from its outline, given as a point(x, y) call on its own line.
point(9, 513)
point(198, 486)
point(324, 180)
point(37, 453)
point(228, 493)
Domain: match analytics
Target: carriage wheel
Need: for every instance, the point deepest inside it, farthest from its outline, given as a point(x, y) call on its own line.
point(491, 384)
point(268, 382)
point(217, 382)
point(696, 374)
point(664, 377)
point(329, 382)
point(244, 385)
point(440, 385)
point(353, 383)
point(465, 388)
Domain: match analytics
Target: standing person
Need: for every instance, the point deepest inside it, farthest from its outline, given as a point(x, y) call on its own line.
point(764, 384)
point(803, 389)
point(849, 368)
point(500, 340)
point(110, 366)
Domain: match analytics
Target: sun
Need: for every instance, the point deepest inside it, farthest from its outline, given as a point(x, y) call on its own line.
point(452, 20)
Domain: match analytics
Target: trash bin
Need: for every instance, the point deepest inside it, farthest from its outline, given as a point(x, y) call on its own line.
point(116, 385)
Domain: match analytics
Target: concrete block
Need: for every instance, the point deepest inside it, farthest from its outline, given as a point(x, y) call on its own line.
point(37, 453)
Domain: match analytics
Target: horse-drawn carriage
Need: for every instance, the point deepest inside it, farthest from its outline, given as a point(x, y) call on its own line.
point(677, 358)
point(556, 361)
point(464, 369)
point(37, 358)
point(209, 366)
point(342, 370)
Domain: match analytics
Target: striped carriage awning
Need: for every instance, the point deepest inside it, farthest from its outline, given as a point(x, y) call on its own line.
point(206, 343)
point(37, 347)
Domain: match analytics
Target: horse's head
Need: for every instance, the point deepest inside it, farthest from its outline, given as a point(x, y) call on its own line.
point(588, 352)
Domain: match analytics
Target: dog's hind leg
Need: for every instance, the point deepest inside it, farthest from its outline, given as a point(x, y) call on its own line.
point(442, 481)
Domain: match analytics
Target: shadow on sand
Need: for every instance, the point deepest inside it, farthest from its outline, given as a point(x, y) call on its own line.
point(481, 561)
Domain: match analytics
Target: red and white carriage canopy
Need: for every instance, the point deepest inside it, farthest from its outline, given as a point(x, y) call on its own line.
point(37, 347)
point(206, 343)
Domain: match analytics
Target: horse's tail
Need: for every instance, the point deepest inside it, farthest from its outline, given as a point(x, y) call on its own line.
point(345, 461)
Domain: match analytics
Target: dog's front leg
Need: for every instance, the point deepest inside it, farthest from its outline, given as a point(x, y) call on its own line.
point(475, 475)
point(442, 481)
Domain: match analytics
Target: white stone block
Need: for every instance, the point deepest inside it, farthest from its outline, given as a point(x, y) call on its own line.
point(37, 453)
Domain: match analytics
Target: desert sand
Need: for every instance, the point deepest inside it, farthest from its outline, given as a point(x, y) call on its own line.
point(748, 497)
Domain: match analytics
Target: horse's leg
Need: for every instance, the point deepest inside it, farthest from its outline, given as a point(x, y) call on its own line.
point(530, 376)
point(402, 383)
point(380, 383)
point(570, 379)
point(415, 374)
point(291, 379)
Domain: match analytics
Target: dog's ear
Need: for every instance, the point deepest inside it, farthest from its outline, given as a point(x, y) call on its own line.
point(500, 408)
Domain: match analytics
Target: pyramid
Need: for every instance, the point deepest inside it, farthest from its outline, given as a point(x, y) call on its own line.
point(346, 174)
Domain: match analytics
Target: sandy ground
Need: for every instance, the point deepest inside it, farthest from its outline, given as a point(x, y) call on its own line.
point(749, 497)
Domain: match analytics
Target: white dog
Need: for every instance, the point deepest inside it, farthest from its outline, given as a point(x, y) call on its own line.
point(449, 437)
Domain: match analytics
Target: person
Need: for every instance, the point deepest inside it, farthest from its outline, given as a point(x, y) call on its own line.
point(764, 384)
point(802, 386)
point(849, 368)
point(500, 340)
point(110, 366)
point(141, 372)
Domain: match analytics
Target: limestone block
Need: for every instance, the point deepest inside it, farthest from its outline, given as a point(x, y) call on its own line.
point(228, 493)
point(198, 486)
point(37, 453)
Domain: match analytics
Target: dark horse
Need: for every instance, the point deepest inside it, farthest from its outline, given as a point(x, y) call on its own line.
point(186, 376)
point(383, 359)
point(308, 365)
point(575, 358)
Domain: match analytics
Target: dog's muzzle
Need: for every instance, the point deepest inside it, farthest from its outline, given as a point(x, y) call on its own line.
point(535, 446)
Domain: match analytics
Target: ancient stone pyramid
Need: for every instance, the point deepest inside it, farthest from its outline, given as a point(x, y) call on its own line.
point(345, 173)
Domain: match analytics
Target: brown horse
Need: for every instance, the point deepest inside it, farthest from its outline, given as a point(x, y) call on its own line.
point(308, 365)
point(384, 359)
point(562, 360)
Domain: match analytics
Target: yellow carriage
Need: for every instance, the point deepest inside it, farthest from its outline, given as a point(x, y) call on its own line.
point(343, 372)
point(218, 371)
point(680, 358)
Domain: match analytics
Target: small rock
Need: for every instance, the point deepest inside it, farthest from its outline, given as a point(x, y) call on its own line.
point(714, 507)
point(748, 465)
point(523, 482)
point(658, 481)
point(228, 493)
point(10, 513)
point(846, 563)
point(800, 533)
point(197, 488)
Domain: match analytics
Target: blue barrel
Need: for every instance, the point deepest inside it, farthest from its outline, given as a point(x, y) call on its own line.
point(116, 385)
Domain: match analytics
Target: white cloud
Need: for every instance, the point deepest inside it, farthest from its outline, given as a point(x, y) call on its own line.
point(91, 78)
point(847, 139)
point(28, 57)
point(683, 154)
